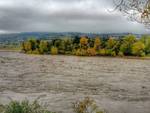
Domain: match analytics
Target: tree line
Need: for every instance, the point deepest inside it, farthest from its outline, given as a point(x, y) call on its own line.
point(83, 46)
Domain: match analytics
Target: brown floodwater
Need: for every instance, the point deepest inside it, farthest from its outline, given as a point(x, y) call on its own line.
point(117, 85)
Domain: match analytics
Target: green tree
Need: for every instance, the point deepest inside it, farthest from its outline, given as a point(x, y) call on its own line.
point(61, 47)
point(138, 49)
point(126, 46)
point(68, 45)
point(146, 40)
point(111, 43)
point(43, 47)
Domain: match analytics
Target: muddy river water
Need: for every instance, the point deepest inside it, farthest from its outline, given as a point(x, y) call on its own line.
point(117, 85)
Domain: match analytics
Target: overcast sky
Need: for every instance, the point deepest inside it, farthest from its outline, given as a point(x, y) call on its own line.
point(64, 16)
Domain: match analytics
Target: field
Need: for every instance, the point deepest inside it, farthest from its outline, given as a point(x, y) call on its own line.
point(118, 85)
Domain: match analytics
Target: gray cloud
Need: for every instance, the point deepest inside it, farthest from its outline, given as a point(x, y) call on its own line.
point(63, 15)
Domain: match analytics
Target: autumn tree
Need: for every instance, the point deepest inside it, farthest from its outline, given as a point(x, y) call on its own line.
point(97, 43)
point(84, 42)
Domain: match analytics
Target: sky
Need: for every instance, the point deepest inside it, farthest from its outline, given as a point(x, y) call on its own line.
point(64, 16)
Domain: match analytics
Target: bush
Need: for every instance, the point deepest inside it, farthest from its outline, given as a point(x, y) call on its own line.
point(91, 52)
point(86, 106)
point(36, 52)
point(109, 52)
point(102, 52)
point(24, 107)
point(54, 51)
point(120, 54)
point(81, 52)
point(113, 53)
point(29, 52)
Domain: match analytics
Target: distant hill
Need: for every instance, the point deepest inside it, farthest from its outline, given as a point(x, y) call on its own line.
point(19, 37)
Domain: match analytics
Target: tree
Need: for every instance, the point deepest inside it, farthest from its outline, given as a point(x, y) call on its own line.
point(138, 49)
point(97, 43)
point(61, 47)
point(43, 47)
point(27, 46)
point(126, 46)
point(136, 10)
point(146, 40)
point(83, 41)
point(111, 43)
point(68, 45)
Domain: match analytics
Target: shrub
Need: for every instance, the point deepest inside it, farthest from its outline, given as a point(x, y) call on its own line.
point(102, 52)
point(86, 106)
point(24, 107)
point(81, 52)
point(113, 53)
point(120, 54)
point(109, 52)
point(36, 52)
point(143, 54)
point(54, 51)
point(29, 52)
point(91, 52)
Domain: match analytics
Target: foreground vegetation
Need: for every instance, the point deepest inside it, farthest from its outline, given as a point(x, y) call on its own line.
point(23, 107)
point(86, 105)
point(84, 46)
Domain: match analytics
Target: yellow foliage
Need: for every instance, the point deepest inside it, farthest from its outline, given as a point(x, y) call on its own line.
point(54, 51)
point(81, 52)
point(83, 41)
point(97, 43)
point(91, 51)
